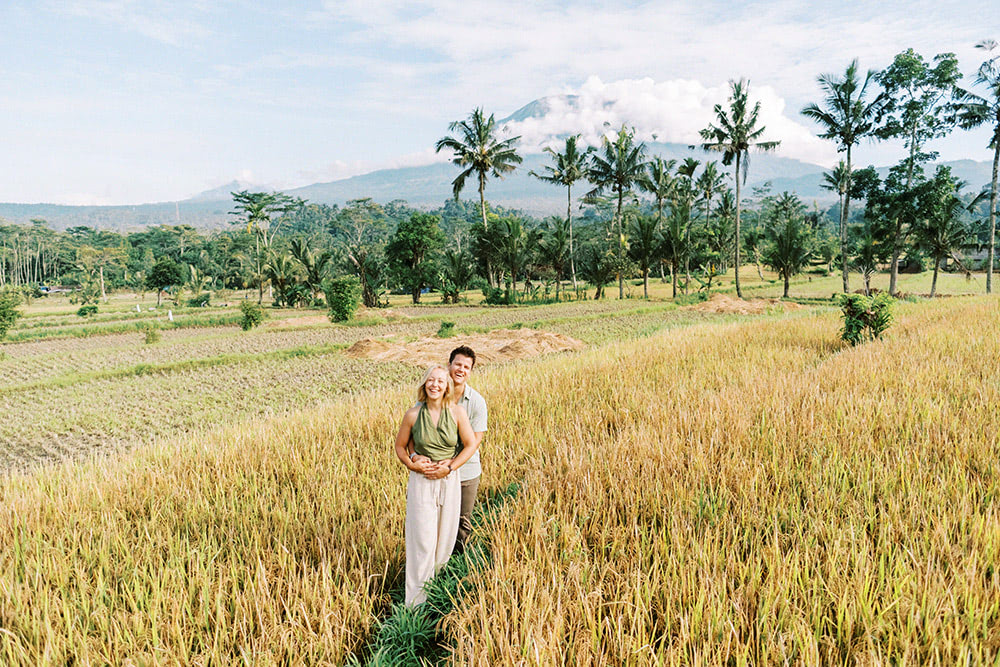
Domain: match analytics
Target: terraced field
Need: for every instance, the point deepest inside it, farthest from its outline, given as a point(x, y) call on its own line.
point(727, 490)
point(66, 396)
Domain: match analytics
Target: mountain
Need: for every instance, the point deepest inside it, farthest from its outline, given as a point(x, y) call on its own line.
point(429, 185)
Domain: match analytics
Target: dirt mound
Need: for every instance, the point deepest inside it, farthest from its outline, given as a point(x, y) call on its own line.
point(493, 347)
point(308, 320)
point(722, 303)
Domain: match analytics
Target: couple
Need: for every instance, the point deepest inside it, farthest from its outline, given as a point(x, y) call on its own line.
point(438, 442)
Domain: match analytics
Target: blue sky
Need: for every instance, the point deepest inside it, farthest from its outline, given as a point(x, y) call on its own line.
point(119, 101)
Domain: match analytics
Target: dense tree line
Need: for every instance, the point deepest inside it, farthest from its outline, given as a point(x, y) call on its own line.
point(641, 216)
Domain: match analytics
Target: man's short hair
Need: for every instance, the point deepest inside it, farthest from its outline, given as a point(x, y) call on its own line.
point(465, 351)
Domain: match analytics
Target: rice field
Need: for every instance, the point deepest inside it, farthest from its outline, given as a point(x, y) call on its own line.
point(694, 489)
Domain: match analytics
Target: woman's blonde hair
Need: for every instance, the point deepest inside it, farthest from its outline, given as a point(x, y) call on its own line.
point(449, 389)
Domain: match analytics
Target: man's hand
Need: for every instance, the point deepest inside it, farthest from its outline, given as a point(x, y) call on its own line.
point(437, 470)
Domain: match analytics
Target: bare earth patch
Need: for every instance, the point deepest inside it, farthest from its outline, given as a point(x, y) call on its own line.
point(723, 303)
point(307, 320)
point(493, 347)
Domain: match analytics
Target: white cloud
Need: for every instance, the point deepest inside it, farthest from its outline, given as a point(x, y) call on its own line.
point(166, 22)
point(669, 111)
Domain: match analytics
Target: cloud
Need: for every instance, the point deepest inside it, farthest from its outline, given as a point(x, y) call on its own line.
point(165, 22)
point(669, 111)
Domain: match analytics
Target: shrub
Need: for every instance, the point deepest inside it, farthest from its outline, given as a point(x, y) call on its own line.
point(200, 300)
point(9, 301)
point(344, 296)
point(495, 296)
point(865, 317)
point(87, 310)
point(253, 315)
point(446, 330)
point(152, 333)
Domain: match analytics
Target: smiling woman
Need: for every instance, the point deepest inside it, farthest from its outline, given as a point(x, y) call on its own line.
point(433, 493)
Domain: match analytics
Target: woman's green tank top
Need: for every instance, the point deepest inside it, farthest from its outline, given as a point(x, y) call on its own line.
point(435, 442)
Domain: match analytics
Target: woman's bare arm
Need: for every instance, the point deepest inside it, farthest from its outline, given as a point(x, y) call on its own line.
point(403, 440)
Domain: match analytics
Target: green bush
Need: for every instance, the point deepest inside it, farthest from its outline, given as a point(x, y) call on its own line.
point(865, 317)
point(344, 296)
point(446, 330)
point(9, 301)
point(253, 315)
point(200, 300)
point(87, 310)
point(152, 333)
point(495, 296)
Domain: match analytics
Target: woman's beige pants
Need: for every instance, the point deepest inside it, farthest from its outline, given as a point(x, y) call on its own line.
point(432, 510)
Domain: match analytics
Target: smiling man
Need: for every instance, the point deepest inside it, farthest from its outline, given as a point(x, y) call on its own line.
point(461, 361)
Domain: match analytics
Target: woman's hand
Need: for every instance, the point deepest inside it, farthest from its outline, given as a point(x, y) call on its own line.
point(437, 470)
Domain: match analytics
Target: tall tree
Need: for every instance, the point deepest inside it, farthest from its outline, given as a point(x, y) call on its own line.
point(165, 273)
point(789, 239)
point(719, 231)
point(314, 266)
point(566, 169)
point(659, 182)
point(554, 246)
point(975, 110)
point(940, 229)
point(411, 251)
point(262, 212)
point(515, 245)
point(645, 246)
point(478, 150)
point(687, 190)
point(360, 229)
point(618, 166)
point(675, 247)
point(846, 117)
point(735, 135)
point(917, 110)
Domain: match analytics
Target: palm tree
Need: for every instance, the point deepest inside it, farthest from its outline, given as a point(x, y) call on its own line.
point(720, 231)
point(708, 185)
point(675, 246)
point(973, 111)
point(835, 180)
point(515, 246)
point(645, 249)
point(568, 167)
point(846, 118)
point(456, 274)
point(314, 266)
point(283, 274)
point(257, 210)
point(734, 136)
point(554, 247)
point(477, 150)
point(618, 166)
point(659, 182)
point(687, 190)
point(789, 242)
point(941, 231)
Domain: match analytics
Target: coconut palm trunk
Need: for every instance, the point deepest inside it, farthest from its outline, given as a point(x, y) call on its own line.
point(736, 236)
point(993, 220)
point(569, 220)
point(621, 244)
point(844, 217)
